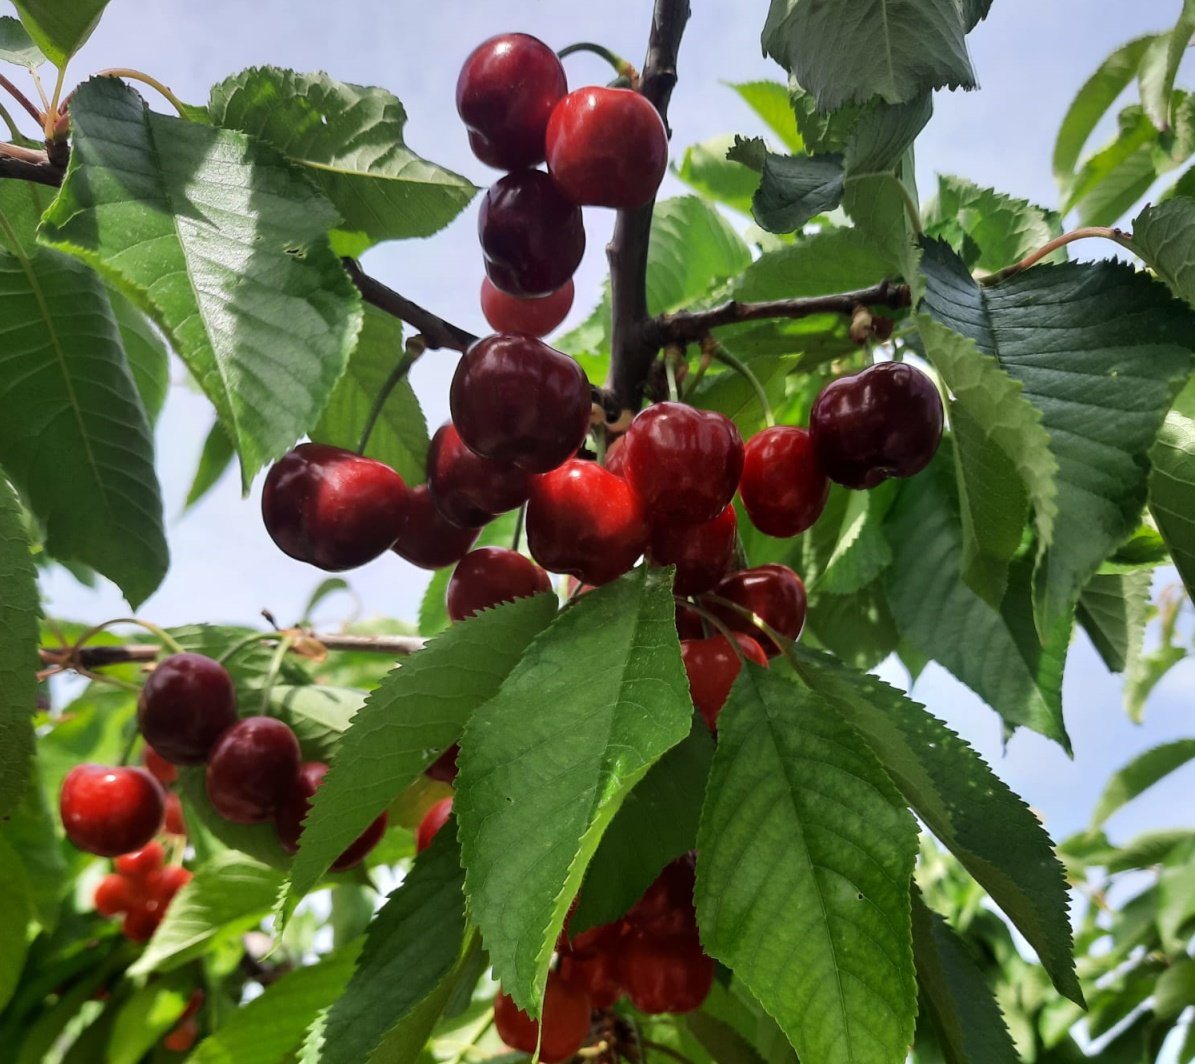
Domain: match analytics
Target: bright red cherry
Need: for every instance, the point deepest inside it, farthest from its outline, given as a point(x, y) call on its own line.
point(565, 1018)
point(701, 553)
point(185, 1032)
point(514, 399)
point(505, 94)
point(427, 540)
point(616, 455)
point(774, 593)
point(167, 883)
point(490, 575)
point(783, 487)
point(433, 820)
point(444, 767)
point(607, 147)
point(684, 463)
point(110, 810)
point(176, 823)
point(187, 703)
point(113, 895)
point(666, 974)
point(530, 317)
point(158, 767)
point(591, 962)
point(885, 421)
point(140, 923)
point(252, 768)
point(142, 863)
point(585, 521)
point(666, 908)
point(295, 805)
point(532, 238)
point(712, 666)
point(330, 507)
point(465, 488)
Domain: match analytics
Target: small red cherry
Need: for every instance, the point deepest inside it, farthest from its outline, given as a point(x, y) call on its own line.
point(251, 769)
point(666, 974)
point(444, 767)
point(142, 863)
point(113, 895)
point(140, 923)
point(182, 1036)
point(158, 767)
point(433, 820)
point(176, 823)
point(187, 703)
point(591, 962)
point(427, 540)
point(712, 666)
point(529, 317)
point(616, 455)
point(167, 883)
point(565, 1019)
point(701, 553)
point(294, 807)
point(490, 575)
point(774, 593)
point(465, 488)
point(666, 908)
point(111, 810)
point(783, 487)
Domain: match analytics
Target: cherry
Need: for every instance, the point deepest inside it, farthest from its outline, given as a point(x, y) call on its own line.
point(701, 552)
point(186, 1030)
point(490, 575)
point(616, 456)
point(142, 863)
point(774, 593)
point(176, 823)
point(140, 923)
point(111, 810)
point(565, 1019)
point(591, 962)
point(712, 666)
point(427, 540)
point(532, 238)
point(505, 94)
point(607, 147)
point(885, 421)
point(684, 463)
point(666, 974)
point(113, 895)
point(251, 769)
point(531, 317)
point(585, 521)
point(168, 882)
point(330, 507)
point(783, 488)
point(688, 623)
point(158, 767)
point(295, 805)
point(429, 827)
point(465, 488)
point(666, 908)
point(185, 706)
point(444, 767)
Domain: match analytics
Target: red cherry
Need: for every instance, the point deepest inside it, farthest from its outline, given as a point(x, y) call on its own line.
point(251, 769)
point(465, 488)
point(294, 807)
point(530, 317)
point(774, 593)
point(712, 666)
point(140, 923)
point(111, 810)
point(516, 400)
point(616, 456)
point(142, 863)
point(701, 552)
point(591, 962)
point(490, 575)
point(187, 703)
point(113, 895)
point(158, 767)
point(666, 974)
point(565, 1018)
point(607, 147)
point(688, 623)
point(425, 539)
point(505, 94)
point(330, 507)
point(666, 908)
point(783, 487)
point(885, 421)
point(434, 819)
point(167, 883)
point(684, 463)
point(532, 238)
point(585, 521)
point(182, 1036)
point(176, 823)
point(444, 767)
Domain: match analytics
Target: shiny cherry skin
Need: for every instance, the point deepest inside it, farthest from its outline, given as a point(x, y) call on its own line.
point(433, 820)
point(427, 540)
point(330, 507)
point(505, 94)
point(288, 818)
point(565, 1019)
point(607, 148)
point(783, 487)
point(490, 575)
point(670, 975)
point(774, 593)
point(532, 238)
point(885, 421)
point(590, 961)
point(529, 317)
point(516, 400)
point(113, 895)
point(666, 908)
point(187, 703)
point(110, 810)
point(158, 767)
point(585, 521)
point(712, 666)
point(142, 863)
point(444, 767)
point(465, 488)
point(701, 553)
point(252, 768)
point(684, 463)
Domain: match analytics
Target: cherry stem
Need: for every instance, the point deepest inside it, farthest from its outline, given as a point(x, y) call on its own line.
point(52, 110)
point(741, 368)
point(670, 373)
point(622, 68)
point(283, 648)
point(23, 100)
point(146, 79)
point(520, 520)
point(7, 119)
point(720, 626)
point(436, 332)
point(1122, 238)
point(250, 640)
point(414, 348)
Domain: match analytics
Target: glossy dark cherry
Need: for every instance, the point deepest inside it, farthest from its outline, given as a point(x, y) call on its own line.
point(505, 94)
point(532, 238)
point(607, 147)
point(885, 421)
point(330, 507)
point(288, 818)
point(666, 907)
point(712, 666)
point(514, 399)
point(666, 974)
point(590, 961)
point(783, 487)
point(187, 703)
point(425, 539)
point(688, 622)
point(701, 553)
point(684, 463)
point(530, 317)
point(433, 820)
point(565, 1018)
point(585, 521)
point(490, 575)
point(465, 488)
point(444, 767)
point(110, 810)
point(774, 593)
point(252, 768)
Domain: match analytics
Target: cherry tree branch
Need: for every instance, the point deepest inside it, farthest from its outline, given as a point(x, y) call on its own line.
point(23, 165)
point(436, 332)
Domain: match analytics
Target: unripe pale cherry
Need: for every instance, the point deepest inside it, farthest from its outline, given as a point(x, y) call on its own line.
point(529, 317)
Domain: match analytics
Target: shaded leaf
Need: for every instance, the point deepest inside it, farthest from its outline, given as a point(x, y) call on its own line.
point(148, 358)
point(832, 261)
point(19, 640)
point(60, 29)
point(1164, 236)
point(706, 169)
point(14, 929)
point(145, 1016)
point(795, 188)
point(214, 460)
point(1113, 610)
point(16, 46)
point(1139, 775)
point(1172, 484)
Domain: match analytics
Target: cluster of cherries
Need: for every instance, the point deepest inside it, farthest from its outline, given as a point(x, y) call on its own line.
point(140, 888)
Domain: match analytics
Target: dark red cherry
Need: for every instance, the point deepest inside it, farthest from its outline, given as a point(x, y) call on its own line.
point(783, 487)
point(433, 820)
point(425, 539)
point(331, 507)
point(590, 961)
point(110, 810)
point(885, 421)
point(607, 147)
point(565, 1019)
point(490, 575)
point(585, 521)
point(532, 238)
point(712, 666)
point(252, 768)
point(465, 488)
point(701, 553)
point(666, 907)
point(516, 400)
point(444, 767)
point(530, 317)
point(158, 767)
point(187, 703)
point(288, 818)
point(666, 974)
point(688, 622)
point(774, 593)
point(684, 463)
point(140, 923)
point(176, 822)
point(505, 94)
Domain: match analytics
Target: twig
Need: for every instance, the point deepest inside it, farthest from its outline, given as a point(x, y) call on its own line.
point(437, 333)
point(146, 79)
point(22, 99)
point(46, 173)
point(1124, 239)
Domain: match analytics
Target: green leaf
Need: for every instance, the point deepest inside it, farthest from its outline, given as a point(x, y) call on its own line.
point(319, 714)
point(832, 261)
point(858, 626)
point(349, 141)
point(1113, 610)
point(18, 911)
point(884, 132)
point(546, 764)
point(1164, 236)
point(795, 188)
point(16, 46)
point(224, 245)
point(19, 610)
point(1117, 176)
point(805, 857)
point(1175, 988)
point(146, 1015)
point(30, 830)
point(148, 358)
point(1139, 775)
point(769, 100)
point(706, 169)
point(214, 460)
point(1172, 484)
point(881, 206)
point(1176, 897)
point(59, 29)
point(847, 549)
point(730, 393)
point(1160, 64)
